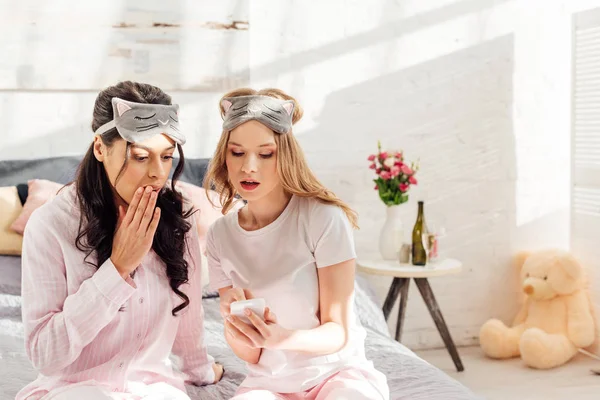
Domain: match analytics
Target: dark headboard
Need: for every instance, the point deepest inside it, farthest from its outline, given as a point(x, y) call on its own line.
point(63, 170)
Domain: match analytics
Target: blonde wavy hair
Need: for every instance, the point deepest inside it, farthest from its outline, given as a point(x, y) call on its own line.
point(294, 173)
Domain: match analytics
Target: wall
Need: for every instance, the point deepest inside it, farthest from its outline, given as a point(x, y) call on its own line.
point(478, 91)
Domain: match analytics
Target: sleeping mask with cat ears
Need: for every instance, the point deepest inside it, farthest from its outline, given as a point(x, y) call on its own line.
point(274, 113)
point(137, 122)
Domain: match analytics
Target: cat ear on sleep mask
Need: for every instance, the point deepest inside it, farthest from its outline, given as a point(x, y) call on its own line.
point(274, 113)
point(137, 122)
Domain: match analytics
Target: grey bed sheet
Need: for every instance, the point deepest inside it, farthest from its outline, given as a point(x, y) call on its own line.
point(409, 376)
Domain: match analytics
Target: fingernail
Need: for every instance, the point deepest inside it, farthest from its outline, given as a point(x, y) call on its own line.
point(139, 190)
point(148, 189)
point(248, 312)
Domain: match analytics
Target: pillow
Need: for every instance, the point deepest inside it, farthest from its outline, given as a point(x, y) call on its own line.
point(206, 215)
point(10, 208)
point(39, 192)
point(197, 196)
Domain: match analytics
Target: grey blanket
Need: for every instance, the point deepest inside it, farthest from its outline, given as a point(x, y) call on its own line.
point(409, 377)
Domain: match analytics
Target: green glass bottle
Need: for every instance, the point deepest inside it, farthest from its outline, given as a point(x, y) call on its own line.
point(419, 236)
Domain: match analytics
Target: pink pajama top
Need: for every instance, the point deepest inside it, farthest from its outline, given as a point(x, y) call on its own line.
point(88, 326)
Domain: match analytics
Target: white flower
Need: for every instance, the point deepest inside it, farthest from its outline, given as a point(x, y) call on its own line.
point(389, 162)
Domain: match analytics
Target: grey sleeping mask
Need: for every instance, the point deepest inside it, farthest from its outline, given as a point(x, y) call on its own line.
point(137, 122)
point(272, 112)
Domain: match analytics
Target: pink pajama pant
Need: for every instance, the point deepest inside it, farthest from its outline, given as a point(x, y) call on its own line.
point(348, 384)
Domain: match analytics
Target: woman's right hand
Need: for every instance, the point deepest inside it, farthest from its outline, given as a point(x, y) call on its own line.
point(239, 347)
point(135, 231)
point(230, 295)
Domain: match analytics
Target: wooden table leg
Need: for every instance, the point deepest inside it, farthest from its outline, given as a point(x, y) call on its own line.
point(436, 314)
point(402, 307)
point(391, 297)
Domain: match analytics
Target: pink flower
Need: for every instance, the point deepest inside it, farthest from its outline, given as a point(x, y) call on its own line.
point(385, 175)
point(383, 155)
point(395, 171)
point(371, 157)
point(399, 155)
point(378, 171)
point(399, 163)
point(406, 169)
point(403, 187)
point(372, 166)
point(376, 187)
point(412, 180)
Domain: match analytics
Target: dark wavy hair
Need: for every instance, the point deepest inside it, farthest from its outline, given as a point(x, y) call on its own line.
point(95, 193)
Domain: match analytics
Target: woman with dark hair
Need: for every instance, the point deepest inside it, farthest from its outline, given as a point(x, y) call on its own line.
point(111, 266)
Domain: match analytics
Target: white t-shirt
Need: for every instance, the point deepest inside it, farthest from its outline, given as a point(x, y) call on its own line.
point(279, 263)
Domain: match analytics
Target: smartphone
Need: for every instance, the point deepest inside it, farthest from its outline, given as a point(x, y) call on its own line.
point(238, 309)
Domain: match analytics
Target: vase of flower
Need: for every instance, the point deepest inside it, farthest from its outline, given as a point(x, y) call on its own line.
point(393, 181)
point(391, 235)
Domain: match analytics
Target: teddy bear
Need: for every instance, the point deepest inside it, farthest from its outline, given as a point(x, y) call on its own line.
point(556, 318)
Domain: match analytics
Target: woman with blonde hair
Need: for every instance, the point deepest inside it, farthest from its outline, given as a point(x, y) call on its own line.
point(292, 245)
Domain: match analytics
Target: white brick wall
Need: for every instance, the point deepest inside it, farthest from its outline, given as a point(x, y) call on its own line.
point(477, 90)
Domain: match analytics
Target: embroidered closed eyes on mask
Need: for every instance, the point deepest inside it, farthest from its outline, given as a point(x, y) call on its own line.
point(272, 112)
point(137, 122)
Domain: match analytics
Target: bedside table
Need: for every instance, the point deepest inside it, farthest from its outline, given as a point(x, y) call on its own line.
point(402, 274)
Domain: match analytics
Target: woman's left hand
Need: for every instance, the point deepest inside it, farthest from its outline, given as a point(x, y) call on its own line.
point(267, 334)
point(218, 370)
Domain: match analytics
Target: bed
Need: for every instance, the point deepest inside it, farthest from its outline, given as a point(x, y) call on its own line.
point(409, 376)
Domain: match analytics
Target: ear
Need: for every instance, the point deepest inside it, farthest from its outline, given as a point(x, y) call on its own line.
point(519, 259)
point(571, 266)
point(120, 106)
point(288, 106)
point(226, 105)
point(99, 148)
